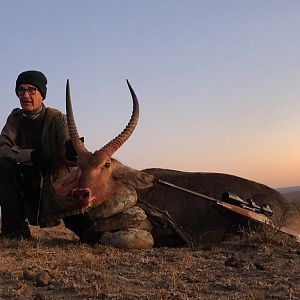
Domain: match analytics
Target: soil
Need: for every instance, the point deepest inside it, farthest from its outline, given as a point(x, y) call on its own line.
point(55, 266)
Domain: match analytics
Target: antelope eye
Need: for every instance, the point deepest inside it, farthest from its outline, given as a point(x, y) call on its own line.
point(107, 165)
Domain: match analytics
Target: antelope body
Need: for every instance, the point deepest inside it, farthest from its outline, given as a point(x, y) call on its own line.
point(99, 177)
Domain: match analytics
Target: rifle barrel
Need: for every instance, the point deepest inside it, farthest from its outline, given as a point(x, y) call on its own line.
point(187, 190)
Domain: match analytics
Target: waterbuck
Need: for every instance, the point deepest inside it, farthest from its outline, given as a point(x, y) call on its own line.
point(99, 177)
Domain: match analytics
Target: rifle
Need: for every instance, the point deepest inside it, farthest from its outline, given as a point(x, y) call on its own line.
point(248, 209)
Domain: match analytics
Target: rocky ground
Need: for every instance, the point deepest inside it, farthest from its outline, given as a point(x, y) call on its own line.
point(55, 266)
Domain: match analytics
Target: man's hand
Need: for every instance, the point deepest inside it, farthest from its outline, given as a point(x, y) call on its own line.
point(71, 153)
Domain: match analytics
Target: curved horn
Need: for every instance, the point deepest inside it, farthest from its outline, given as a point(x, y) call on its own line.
point(77, 143)
point(111, 147)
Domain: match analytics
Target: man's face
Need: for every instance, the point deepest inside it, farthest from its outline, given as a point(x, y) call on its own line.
point(30, 97)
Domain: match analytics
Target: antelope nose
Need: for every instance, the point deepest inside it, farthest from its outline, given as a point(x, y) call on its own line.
point(82, 196)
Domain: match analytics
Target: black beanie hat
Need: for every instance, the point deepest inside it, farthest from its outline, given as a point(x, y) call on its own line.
point(36, 78)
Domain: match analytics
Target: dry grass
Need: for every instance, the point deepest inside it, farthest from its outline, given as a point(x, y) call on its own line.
point(55, 266)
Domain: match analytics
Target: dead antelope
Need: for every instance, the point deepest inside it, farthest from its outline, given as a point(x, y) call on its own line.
point(99, 177)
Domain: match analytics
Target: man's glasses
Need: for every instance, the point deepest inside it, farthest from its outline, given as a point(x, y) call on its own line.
point(31, 91)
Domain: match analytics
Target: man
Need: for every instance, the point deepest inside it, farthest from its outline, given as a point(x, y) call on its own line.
point(34, 152)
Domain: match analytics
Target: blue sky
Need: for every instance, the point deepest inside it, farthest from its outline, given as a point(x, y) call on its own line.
point(217, 81)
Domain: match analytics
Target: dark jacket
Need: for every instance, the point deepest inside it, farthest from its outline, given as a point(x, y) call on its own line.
point(53, 137)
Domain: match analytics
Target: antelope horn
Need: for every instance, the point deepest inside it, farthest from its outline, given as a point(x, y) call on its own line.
point(111, 147)
point(77, 143)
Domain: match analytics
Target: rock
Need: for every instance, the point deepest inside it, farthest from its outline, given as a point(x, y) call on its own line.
point(134, 217)
point(28, 274)
point(42, 278)
point(128, 239)
point(122, 201)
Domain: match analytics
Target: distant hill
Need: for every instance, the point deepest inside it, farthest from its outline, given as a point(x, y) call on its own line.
point(292, 194)
point(289, 189)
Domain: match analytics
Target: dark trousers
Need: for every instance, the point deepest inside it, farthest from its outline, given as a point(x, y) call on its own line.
point(19, 200)
point(15, 187)
point(81, 225)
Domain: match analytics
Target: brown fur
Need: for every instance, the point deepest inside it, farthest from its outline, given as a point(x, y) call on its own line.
point(201, 217)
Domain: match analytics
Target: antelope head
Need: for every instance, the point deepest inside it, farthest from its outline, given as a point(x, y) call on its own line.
point(98, 176)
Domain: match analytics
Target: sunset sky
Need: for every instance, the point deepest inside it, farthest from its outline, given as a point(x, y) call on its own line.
point(217, 81)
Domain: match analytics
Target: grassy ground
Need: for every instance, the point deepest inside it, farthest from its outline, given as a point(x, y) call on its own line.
point(55, 266)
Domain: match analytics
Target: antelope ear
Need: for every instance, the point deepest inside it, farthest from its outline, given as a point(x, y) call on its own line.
point(135, 178)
